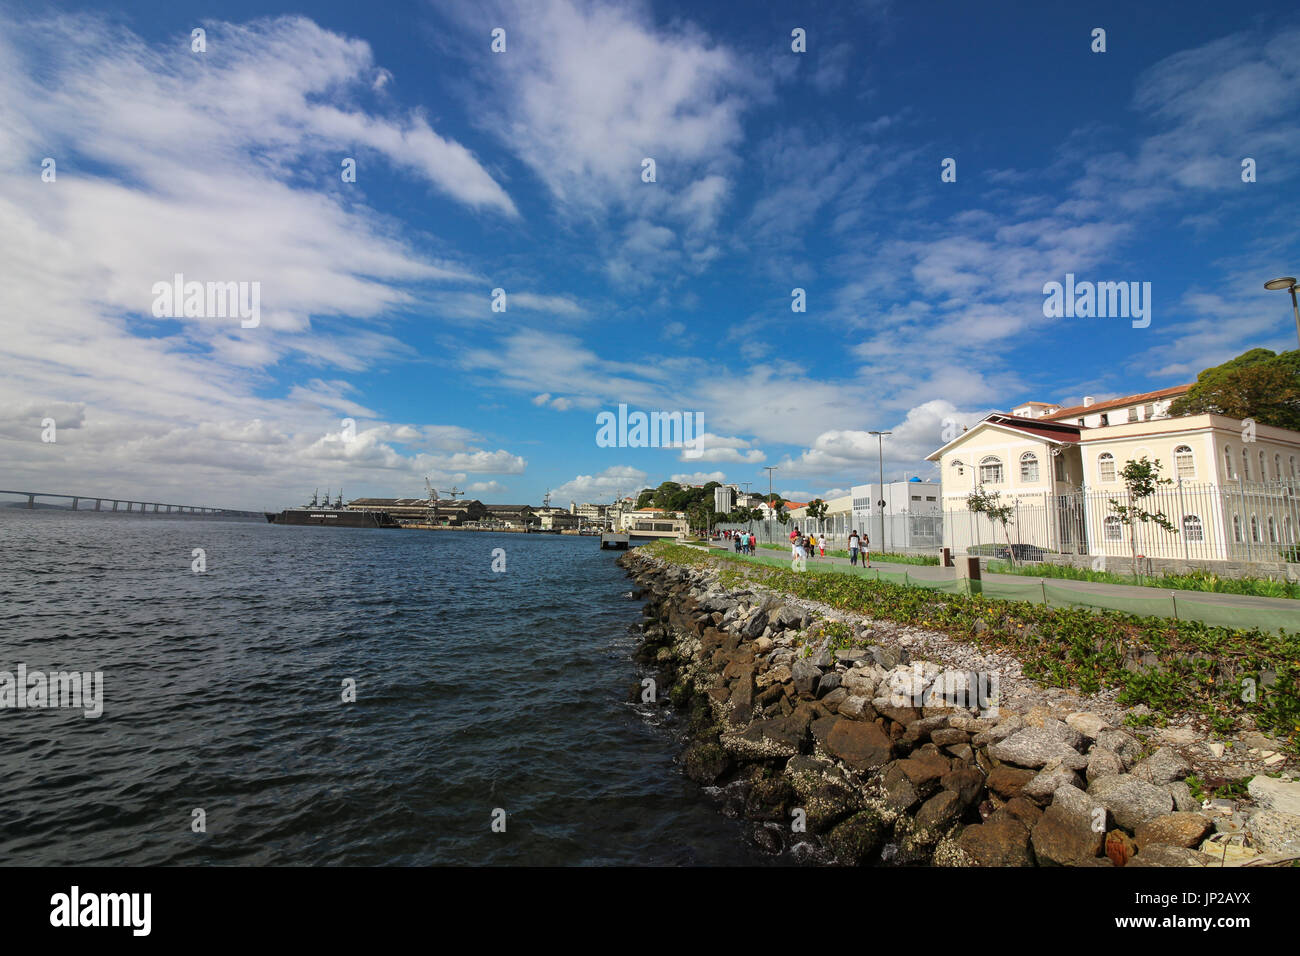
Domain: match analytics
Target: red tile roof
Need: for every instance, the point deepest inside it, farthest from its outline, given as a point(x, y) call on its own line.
point(1075, 411)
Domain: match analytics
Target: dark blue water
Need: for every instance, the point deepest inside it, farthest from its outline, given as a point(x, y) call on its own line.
point(476, 691)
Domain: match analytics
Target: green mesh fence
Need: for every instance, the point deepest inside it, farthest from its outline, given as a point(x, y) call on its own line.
point(1184, 605)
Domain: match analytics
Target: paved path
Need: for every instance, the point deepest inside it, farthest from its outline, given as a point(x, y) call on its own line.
point(931, 572)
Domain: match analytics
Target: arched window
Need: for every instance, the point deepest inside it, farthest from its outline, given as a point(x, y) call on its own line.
point(1193, 528)
point(1245, 465)
point(1105, 467)
point(1184, 462)
point(1111, 529)
point(1277, 467)
point(1227, 462)
point(960, 466)
point(1263, 472)
point(991, 470)
point(1272, 530)
point(1254, 529)
point(1029, 467)
point(1236, 528)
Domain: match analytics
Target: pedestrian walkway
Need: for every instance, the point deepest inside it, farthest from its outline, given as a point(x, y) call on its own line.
point(1220, 610)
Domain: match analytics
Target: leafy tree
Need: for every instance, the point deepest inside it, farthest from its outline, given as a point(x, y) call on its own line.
point(645, 497)
point(980, 502)
point(1257, 384)
point(1141, 479)
point(817, 510)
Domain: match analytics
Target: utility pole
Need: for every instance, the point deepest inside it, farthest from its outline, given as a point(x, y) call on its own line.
point(769, 469)
point(880, 446)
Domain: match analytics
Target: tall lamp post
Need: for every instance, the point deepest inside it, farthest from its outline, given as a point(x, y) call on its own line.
point(769, 469)
point(880, 447)
point(1288, 283)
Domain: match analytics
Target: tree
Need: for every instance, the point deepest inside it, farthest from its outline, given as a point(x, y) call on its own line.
point(979, 502)
point(1141, 479)
point(817, 511)
point(1257, 384)
point(644, 498)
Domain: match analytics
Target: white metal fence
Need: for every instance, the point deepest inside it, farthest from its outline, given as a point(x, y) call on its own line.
point(1241, 521)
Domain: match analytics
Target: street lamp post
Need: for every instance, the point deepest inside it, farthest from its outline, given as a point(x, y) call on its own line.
point(1288, 283)
point(880, 447)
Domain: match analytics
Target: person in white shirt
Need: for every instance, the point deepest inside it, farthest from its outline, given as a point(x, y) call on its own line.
point(855, 543)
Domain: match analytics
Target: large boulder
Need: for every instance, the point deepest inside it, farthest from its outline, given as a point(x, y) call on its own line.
point(1174, 829)
point(1007, 782)
point(1164, 766)
point(1273, 831)
point(706, 762)
point(1159, 854)
point(1032, 747)
point(856, 839)
point(861, 745)
point(807, 676)
point(1274, 794)
point(1065, 837)
point(1121, 743)
point(940, 811)
point(1003, 842)
point(1132, 802)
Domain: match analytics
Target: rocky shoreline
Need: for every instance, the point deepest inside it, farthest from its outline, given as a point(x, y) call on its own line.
point(873, 743)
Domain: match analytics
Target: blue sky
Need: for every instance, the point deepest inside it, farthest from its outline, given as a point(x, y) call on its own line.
point(522, 171)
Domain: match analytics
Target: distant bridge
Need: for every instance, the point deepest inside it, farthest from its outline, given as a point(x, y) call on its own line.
point(134, 507)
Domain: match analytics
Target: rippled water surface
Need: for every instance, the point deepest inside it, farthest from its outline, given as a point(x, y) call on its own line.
point(475, 691)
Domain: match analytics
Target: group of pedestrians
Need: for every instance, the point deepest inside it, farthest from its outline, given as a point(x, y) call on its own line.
point(744, 541)
point(803, 547)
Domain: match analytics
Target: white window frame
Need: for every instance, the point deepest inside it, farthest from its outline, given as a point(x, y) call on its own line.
point(1103, 460)
point(989, 462)
point(1029, 458)
point(1184, 453)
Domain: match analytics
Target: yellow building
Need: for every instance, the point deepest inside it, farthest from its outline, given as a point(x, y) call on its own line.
point(1234, 491)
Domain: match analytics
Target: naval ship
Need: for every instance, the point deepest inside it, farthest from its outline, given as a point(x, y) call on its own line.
point(321, 513)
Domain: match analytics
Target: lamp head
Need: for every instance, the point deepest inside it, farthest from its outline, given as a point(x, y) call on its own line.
point(1286, 282)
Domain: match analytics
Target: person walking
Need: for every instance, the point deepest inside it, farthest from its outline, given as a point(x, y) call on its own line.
point(866, 550)
point(797, 561)
point(854, 544)
point(751, 543)
point(821, 544)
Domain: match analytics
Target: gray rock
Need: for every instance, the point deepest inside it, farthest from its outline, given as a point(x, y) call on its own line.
point(1043, 786)
point(1164, 766)
point(807, 675)
point(828, 683)
point(1103, 763)
point(1274, 831)
point(859, 682)
point(1132, 802)
point(1184, 802)
point(1088, 724)
point(1031, 747)
point(856, 708)
point(1121, 743)
point(1158, 854)
point(1274, 794)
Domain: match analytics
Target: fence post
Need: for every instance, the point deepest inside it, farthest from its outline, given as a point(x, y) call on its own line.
point(1174, 601)
point(1044, 586)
